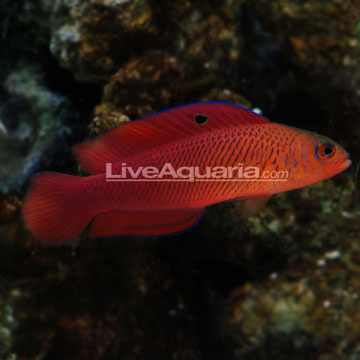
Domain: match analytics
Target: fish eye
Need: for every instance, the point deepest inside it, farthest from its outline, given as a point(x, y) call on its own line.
point(325, 152)
point(328, 151)
point(200, 119)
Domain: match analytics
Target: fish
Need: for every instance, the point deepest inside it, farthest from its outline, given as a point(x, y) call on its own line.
point(156, 176)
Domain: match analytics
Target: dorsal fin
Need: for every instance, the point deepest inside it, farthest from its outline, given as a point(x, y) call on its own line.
point(159, 129)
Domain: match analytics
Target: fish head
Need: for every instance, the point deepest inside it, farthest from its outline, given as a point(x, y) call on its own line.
point(320, 157)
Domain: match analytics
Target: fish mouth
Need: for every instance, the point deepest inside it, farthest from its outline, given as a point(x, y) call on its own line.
point(344, 165)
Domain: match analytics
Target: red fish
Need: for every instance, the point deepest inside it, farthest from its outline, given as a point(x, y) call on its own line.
point(157, 175)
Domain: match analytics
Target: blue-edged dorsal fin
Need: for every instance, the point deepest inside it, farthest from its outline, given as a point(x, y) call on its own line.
point(159, 129)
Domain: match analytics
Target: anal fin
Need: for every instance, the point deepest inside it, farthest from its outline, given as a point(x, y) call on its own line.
point(144, 223)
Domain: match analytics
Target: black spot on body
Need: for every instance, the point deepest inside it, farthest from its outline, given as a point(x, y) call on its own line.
point(200, 119)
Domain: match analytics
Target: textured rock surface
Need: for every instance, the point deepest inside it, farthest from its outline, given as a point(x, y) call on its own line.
point(94, 38)
point(317, 34)
point(307, 54)
point(305, 310)
point(158, 78)
point(30, 117)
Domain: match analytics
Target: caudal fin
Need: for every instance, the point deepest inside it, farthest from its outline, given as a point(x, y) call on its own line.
point(56, 209)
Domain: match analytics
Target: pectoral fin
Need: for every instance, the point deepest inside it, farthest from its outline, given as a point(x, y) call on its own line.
point(245, 207)
point(251, 206)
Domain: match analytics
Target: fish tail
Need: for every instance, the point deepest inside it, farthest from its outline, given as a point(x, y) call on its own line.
point(56, 209)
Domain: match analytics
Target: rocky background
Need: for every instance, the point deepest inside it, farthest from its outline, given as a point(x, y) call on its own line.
point(282, 285)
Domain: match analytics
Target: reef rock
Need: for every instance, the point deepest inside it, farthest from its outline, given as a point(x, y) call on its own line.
point(30, 116)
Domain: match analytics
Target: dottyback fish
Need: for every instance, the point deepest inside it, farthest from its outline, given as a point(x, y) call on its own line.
point(156, 176)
